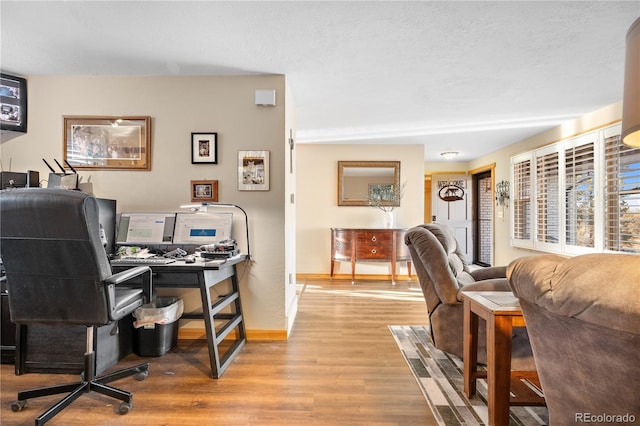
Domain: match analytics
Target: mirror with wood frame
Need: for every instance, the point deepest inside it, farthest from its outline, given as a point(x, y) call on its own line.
point(367, 183)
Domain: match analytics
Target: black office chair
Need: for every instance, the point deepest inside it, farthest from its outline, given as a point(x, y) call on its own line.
point(58, 273)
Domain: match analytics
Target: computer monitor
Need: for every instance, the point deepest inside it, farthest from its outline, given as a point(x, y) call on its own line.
point(107, 218)
point(202, 228)
point(145, 229)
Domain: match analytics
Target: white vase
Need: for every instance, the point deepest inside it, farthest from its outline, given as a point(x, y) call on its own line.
point(389, 219)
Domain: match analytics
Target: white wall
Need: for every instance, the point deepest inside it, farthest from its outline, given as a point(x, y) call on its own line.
point(317, 205)
point(291, 295)
point(179, 106)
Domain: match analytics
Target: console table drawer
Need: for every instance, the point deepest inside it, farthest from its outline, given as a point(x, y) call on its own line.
point(374, 238)
point(374, 252)
point(342, 244)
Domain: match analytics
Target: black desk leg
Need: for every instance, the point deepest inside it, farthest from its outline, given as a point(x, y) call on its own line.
point(212, 311)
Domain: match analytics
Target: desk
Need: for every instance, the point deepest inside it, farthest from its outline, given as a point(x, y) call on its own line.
point(8, 329)
point(206, 275)
point(501, 311)
point(369, 245)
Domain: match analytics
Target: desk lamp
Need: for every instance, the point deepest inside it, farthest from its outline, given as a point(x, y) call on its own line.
point(203, 207)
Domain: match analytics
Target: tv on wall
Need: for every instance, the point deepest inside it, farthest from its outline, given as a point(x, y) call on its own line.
point(13, 103)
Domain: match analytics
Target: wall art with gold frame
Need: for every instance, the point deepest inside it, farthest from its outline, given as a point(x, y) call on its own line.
point(204, 191)
point(107, 142)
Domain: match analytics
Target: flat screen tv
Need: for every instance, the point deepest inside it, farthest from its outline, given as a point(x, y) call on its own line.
point(13, 103)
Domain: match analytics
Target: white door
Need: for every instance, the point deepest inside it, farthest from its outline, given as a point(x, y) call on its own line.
point(452, 205)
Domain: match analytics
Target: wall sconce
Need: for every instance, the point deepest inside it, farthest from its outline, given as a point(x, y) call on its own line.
point(631, 93)
point(502, 193)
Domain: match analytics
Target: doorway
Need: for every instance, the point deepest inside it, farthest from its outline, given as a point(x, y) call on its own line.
point(483, 218)
point(454, 213)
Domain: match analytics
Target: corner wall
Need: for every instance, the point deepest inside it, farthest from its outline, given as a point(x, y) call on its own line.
point(179, 106)
point(504, 253)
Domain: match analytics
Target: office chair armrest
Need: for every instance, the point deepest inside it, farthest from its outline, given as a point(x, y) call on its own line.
point(129, 274)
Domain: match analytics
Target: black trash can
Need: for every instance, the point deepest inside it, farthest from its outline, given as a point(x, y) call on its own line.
point(157, 326)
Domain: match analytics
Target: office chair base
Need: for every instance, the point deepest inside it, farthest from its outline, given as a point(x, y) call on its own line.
point(97, 384)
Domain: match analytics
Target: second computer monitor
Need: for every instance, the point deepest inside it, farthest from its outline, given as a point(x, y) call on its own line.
point(202, 228)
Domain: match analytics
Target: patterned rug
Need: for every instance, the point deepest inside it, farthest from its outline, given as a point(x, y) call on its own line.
point(440, 378)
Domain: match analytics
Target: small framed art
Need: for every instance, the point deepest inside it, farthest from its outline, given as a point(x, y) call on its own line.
point(204, 190)
point(204, 148)
point(253, 170)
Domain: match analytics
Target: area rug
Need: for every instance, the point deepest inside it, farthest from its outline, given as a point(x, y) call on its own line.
point(439, 376)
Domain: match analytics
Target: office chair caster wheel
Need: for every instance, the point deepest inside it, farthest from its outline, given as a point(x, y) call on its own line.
point(18, 405)
point(141, 375)
point(124, 408)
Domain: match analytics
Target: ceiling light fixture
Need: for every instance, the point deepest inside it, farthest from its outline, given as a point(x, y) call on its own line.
point(448, 155)
point(631, 94)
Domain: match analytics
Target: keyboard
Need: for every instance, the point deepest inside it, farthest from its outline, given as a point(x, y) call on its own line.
point(142, 261)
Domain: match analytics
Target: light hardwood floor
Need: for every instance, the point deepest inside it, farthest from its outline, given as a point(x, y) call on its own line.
point(340, 366)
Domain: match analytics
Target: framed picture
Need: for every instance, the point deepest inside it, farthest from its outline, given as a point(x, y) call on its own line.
point(13, 103)
point(204, 148)
point(253, 170)
point(204, 190)
point(119, 143)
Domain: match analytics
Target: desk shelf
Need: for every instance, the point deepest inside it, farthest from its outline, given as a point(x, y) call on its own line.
point(205, 276)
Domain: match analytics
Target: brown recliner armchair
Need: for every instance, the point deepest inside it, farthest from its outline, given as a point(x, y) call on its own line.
point(583, 317)
point(443, 274)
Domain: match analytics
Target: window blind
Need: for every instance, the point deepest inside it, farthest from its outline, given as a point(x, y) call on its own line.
point(579, 195)
point(522, 200)
point(547, 202)
point(622, 196)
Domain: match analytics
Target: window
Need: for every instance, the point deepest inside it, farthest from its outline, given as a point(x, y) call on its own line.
point(586, 195)
point(622, 196)
point(521, 200)
point(579, 190)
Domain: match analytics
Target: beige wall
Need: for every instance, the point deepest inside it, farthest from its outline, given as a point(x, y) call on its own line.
point(504, 253)
point(290, 224)
point(179, 106)
point(318, 210)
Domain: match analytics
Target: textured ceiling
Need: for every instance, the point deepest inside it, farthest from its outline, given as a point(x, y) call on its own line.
point(464, 76)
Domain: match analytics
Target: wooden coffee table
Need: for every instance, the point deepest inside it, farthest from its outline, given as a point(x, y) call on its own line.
point(501, 311)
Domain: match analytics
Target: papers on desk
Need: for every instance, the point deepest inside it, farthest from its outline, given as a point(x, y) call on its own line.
point(133, 252)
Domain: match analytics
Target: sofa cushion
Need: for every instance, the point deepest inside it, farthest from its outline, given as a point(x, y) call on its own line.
point(601, 289)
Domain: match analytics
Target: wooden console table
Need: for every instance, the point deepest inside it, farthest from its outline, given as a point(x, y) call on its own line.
point(369, 245)
point(501, 311)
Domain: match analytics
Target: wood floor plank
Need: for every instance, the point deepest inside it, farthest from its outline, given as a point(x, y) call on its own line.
point(340, 366)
